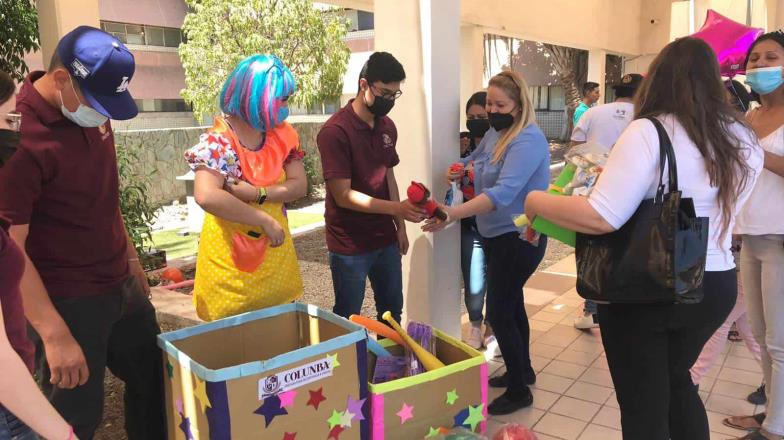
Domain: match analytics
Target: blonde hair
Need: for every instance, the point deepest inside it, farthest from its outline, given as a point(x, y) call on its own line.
point(515, 87)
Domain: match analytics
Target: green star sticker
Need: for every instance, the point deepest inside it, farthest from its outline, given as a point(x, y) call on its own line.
point(433, 433)
point(335, 419)
point(475, 416)
point(170, 369)
point(451, 397)
point(334, 359)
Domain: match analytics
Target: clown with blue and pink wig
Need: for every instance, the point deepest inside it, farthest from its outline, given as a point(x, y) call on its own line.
point(247, 166)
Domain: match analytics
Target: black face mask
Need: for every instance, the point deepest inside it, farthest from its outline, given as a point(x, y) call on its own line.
point(9, 142)
point(381, 106)
point(478, 127)
point(500, 121)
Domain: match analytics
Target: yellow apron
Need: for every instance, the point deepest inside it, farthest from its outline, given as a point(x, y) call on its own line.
point(236, 269)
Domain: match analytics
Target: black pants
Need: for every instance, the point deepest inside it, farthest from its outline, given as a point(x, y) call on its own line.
point(510, 262)
point(116, 330)
point(650, 349)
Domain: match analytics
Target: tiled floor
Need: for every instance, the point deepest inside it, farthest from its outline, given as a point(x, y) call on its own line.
point(574, 397)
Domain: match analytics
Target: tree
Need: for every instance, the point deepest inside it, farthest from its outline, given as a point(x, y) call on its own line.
point(571, 68)
point(220, 33)
point(18, 35)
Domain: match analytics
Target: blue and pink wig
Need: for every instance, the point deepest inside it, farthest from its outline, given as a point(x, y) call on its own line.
point(256, 89)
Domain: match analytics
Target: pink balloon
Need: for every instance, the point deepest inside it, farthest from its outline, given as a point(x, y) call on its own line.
point(513, 431)
point(729, 39)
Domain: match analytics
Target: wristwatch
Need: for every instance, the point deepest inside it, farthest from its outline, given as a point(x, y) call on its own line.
point(262, 196)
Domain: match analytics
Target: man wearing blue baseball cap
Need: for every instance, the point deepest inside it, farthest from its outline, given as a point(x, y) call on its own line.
point(85, 293)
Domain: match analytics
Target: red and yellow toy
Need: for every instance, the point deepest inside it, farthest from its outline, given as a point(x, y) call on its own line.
point(420, 195)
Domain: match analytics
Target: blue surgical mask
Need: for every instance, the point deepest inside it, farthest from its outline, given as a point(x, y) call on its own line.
point(83, 116)
point(765, 79)
point(283, 113)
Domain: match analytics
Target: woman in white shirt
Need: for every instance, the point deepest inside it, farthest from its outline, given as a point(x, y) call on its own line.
point(761, 226)
point(650, 348)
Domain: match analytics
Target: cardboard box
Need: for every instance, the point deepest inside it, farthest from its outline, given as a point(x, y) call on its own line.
point(433, 402)
point(292, 372)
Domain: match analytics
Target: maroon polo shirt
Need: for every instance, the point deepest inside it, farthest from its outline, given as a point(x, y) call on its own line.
point(63, 183)
point(351, 149)
point(11, 270)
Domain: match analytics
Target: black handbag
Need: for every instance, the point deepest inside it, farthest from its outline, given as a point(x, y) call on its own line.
point(658, 256)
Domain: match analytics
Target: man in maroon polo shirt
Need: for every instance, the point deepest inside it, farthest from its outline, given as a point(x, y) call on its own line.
point(84, 291)
point(366, 231)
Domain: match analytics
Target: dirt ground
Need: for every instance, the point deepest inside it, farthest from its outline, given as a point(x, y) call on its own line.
point(312, 252)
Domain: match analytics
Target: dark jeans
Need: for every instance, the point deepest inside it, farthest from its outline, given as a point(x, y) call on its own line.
point(510, 262)
point(650, 349)
point(116, 330)
point(350, 273)
point(472, 263)
point(12, 428)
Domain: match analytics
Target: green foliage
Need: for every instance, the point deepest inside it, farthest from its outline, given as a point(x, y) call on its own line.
point(18, 35)
point(312, 170)
point(220, 33)
point(138, 211)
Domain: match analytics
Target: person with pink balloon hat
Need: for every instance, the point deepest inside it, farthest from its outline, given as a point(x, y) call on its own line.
point(762, 232)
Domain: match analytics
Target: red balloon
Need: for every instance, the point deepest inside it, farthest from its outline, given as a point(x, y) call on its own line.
point(729, 39)
point(513, 431)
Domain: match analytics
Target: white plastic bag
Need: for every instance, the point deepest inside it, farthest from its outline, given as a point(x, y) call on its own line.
point(454, 197)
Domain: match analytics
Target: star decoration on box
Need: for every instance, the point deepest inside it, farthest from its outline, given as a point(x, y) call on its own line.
point(451, 397)
point(200, 392)
point(289, 436)
point(433, 433)
point(461, 417)
point(336, 419)
point(316, 397)
point(475, 416)
point(345, 421)
point(334, 360)
point(270, 409)
point(406, 413)
point(287, 398)
point(355, 407)
point(185, 427)
point(335, 432)
point(169, 369)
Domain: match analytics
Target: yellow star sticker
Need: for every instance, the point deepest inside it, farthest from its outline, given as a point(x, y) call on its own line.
point(451, 397)
point(334, 360)
point(200, 392)
point(475, 416)
point(433, 433)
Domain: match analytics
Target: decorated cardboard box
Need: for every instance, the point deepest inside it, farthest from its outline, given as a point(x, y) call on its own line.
point(429, 404)
point(292, 372)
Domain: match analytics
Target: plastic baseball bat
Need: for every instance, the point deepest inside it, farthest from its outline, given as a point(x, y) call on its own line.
point(427, 359)
point(377, 328)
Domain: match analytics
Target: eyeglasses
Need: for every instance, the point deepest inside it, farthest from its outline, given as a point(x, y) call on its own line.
point(14, 120)
point(386, 94)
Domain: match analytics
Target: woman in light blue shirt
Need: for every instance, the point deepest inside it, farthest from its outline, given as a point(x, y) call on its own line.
point(512, 160)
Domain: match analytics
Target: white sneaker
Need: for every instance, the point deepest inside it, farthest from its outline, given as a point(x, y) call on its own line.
point(475, 335)
point(585, 322)
point(493, 350)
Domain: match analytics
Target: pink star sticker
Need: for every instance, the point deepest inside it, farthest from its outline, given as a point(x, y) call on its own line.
point(406, 413)
point(287, 398)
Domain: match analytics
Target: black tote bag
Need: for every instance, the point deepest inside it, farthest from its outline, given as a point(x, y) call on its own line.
point(658, 256)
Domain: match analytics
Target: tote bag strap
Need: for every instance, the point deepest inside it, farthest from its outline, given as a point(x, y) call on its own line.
point(666, 154)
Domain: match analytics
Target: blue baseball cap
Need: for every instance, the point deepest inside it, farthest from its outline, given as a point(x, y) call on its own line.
point(103, 68)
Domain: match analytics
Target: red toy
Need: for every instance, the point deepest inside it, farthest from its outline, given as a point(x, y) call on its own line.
point(457, 167)
point(420, 195)
point(172, 275)
point(513, 431)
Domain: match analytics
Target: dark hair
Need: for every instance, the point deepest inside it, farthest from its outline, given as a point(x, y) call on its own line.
point(625, 92)
point(54, 62)
point(382, 66)
point(478, 98)
point(776, 36)
point(588, 87)
point(742, 95)
point(7, 87)
point(684, 81)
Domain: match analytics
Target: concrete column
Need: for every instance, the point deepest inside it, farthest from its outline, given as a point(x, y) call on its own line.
point(425, 36)
point(472, 53)
point(58, 17)
point(597, 64)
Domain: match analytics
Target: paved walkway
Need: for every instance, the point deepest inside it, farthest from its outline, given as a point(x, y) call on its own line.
point(574, 397)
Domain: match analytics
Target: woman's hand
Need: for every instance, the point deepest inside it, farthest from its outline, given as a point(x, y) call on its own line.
point(274, 231)
point(434, 224)
point(242, 190)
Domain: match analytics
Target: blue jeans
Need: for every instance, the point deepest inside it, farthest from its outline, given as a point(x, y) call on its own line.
point(349, 275)
point(12, 428)
point(472, 263)
point(590, 307)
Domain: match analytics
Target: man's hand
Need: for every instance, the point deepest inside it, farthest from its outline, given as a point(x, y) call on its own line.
point(242, 190)
point(402, 240)
point(66, 361)
point(411, 212)
point(137, 271)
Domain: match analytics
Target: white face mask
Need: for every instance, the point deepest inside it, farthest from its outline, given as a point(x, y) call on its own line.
point(83, 116)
